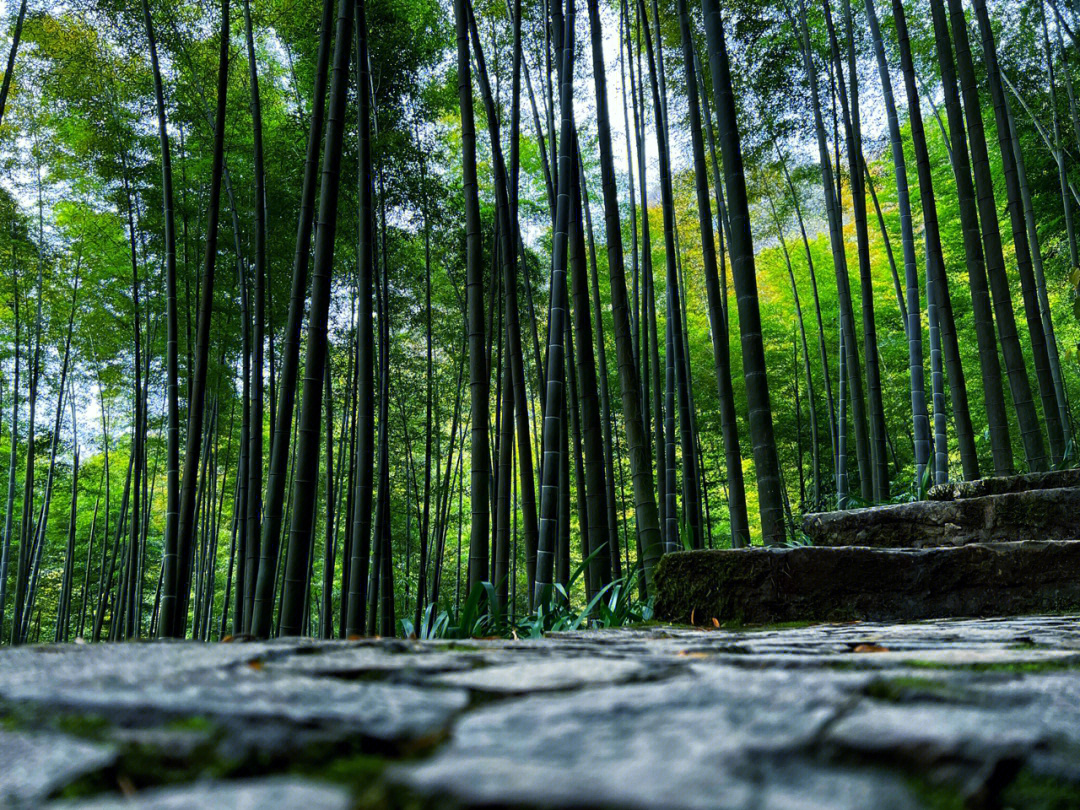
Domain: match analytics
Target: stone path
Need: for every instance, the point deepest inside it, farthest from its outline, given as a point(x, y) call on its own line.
point(944, 714)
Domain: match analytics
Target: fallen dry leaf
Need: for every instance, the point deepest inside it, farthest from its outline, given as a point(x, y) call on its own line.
point(126, 786)
point(870, 648)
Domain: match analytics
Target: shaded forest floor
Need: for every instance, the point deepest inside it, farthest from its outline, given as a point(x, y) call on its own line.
point(943, 714)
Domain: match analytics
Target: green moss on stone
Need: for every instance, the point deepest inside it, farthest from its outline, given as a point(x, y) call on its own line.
point(901, 689)
point(88, 726)
point(768, 626)
point(355, 771)
point(1030, 791)
point(935, 796)
point(1017, 667)
point(191, 724)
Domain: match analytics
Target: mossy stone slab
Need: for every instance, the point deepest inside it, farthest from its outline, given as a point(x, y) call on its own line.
point(765, 585)
point(1038, 514)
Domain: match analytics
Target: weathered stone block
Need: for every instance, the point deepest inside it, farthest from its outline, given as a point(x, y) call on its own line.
point(1044, 514)
point(762, 585)
point(35, 764)
point(1006, 483)
point(273, 793)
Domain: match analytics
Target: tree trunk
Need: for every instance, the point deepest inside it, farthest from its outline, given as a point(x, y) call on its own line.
point(936, 278)
point(474, 295)
point(277, 478)
point(678, 383)
point(637, 439)
point(816, 462)
point(996, 418)
point(360, 547)
point(15, 36)
point(255, 453)
point(554, 398)
point(508, 230)
point(595, 490)
point(1015, 364)
point(429, 428)
point(27, 525)
point(849, 106)
point(172, 373)
point(326, 615)
point(913, 325)
point(822, 350)
point(1040, 282)
point(297, 569)
point(1021, 244)
point(721, 341)
point(612, 522)
point(850, 355)
point(173, 622)
point(5, 554)
point(766, 463)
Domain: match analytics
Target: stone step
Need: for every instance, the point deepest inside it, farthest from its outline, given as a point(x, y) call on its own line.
point(808, 583)
point(1002, 484)
point(1046, 514)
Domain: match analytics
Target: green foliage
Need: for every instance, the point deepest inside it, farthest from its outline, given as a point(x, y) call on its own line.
point(79, 155)
point(614, 605)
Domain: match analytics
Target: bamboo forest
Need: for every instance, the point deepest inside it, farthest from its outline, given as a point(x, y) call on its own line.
point(456, 318)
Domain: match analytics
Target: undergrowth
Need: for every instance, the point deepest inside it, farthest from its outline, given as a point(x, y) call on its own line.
point(614, 605)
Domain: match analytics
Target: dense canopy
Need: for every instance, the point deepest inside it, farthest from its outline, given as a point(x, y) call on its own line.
point(434, 317)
